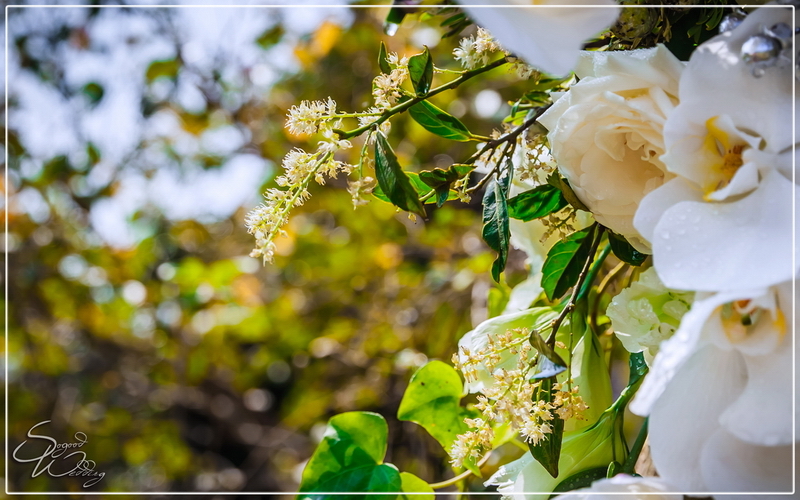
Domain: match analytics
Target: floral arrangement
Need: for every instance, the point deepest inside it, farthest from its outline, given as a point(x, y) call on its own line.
point(678, 165)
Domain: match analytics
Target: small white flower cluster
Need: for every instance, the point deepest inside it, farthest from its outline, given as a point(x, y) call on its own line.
point(310, 116)
point(561, 223)
point(299, 168)
point(511, 398)
point(522, 70)
point(473, 52)
point(359, 189)
point(386, 88)
point(536, 163)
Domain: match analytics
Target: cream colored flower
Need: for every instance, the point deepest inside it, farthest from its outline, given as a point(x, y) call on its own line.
point(606, 132)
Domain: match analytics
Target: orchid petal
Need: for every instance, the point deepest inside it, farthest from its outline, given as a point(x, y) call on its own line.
point(656, 202)
point(763, 414)
point(728, 464)
point(716, 246)
point(688, 411)
point(675, 351)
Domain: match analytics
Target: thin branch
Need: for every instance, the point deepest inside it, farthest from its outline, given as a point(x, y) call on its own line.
point(460, 477)
point(407, 104)
point(597, 234)
point(602, 288)
point(494, 143)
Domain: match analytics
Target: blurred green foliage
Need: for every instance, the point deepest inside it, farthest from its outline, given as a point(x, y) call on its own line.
point(189, 366)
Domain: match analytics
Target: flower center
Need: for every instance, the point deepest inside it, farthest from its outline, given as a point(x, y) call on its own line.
point(731, 161)
point(740, 317)
point(723, 144)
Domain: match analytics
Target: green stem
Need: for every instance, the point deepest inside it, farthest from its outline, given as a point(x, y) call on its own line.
point(460, 477)
point(598, 263)
point(636, 450)
point(626, 395)
point(407, 104)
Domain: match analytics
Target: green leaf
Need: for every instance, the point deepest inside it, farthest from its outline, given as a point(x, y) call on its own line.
point(383, 62)
point(366, 479)
point(413, 484)
point(168, 69)
point(545, 84)
point(536, 97)
point(548, 364)
point(581, 479)
point(270, 37)
point(432, 400)
point(565, 261)
point(440, 180)
point(396, 15)
point(94, 92)
point(624, 251)
point(420, 70)
point(538, 202)
point(498, 298)
point(548, 450)
point(495, 225)
point(561, 183)
point(439, 122)
point(392, 180)
point(350, 455)
point(638, 368)
point(421, 188)
point(438, 177)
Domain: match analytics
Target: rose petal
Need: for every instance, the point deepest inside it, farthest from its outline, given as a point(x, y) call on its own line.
point(655, 66)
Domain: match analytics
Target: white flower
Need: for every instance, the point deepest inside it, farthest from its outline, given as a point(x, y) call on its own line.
point(720, 395)
point(609, 489)
point(725, 221)
point(475, 52)
point(647, 313)
point(547, 38)
point(606, 132)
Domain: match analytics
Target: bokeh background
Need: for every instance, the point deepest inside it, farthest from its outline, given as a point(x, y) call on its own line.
point(138, 138)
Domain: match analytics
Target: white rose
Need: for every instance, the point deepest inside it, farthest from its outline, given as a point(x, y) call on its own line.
point(606, 132)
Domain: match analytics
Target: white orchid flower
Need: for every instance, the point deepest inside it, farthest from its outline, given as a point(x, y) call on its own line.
point(725, 222)
point(720, 395)
point(548, 38)
point(651, 488)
